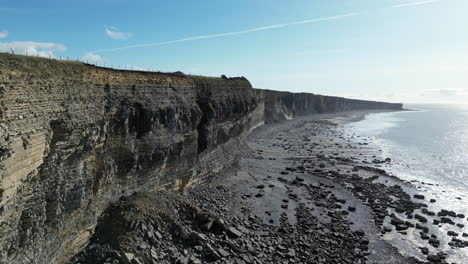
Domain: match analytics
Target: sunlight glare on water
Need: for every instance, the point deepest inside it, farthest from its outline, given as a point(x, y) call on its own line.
point(429, 146)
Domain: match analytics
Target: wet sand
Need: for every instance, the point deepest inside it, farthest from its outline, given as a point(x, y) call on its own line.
point(304, 191)
point(312, 168)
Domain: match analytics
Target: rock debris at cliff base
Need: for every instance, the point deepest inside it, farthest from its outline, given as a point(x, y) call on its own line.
point(83, 149)
point(75, 138)
point(136, 232)
point(295, 197)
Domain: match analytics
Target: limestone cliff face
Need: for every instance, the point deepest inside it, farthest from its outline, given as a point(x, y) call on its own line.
point(285, 105)
point(74, 138)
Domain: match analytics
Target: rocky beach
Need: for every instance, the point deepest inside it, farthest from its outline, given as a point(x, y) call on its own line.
point(111, 166)
point(304, 191)
point(234, 132)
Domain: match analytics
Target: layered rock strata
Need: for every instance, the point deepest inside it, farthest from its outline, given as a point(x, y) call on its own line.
point(74, 138)
point(281, 106)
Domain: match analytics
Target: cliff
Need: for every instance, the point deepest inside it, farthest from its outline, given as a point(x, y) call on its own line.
point(74, 137)
point(281, 106)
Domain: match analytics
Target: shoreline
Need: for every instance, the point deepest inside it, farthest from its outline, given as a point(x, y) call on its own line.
point(442, 207)
point(301, 193)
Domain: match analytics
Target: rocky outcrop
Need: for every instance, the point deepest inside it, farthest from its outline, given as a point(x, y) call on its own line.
point(74, 137)
point(281, 106)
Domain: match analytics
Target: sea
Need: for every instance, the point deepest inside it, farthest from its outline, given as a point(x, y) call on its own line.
point(428, 146)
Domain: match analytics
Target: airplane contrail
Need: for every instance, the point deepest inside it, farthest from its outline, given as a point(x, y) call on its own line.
point(417, 3)
point(229, 33)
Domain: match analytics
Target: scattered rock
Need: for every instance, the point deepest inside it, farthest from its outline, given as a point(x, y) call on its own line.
point(421, 218)
point(425, 250)
point(234, 232)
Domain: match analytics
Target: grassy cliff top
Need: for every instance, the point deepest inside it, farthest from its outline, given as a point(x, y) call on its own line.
point(21, 66)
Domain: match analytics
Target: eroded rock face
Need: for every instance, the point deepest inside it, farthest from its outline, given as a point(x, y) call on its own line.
point(74, 138)
point(281, 106)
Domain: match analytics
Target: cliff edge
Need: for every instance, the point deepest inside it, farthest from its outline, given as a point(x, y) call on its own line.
point(75, 137)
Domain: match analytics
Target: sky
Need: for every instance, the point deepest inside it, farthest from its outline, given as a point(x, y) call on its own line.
point(392, 50)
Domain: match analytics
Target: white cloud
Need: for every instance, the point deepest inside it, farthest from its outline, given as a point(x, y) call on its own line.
point(91, 57)
point(232, 33)
point(115, 33)
point(42, 49)
point(424, 2)
point(3, 34)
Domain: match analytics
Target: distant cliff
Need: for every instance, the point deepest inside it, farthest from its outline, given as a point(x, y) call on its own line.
point(284, 105)
point(74, 137)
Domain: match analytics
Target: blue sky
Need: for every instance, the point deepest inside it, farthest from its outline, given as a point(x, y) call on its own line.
point(393, 50)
